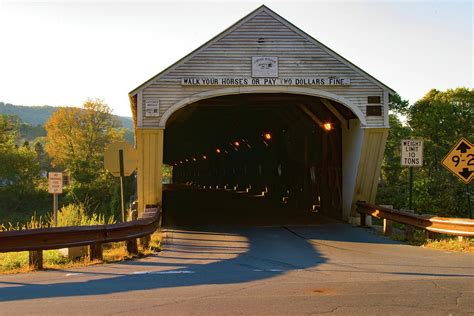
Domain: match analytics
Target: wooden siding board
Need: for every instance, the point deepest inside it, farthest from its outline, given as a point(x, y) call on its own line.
point(231, 56)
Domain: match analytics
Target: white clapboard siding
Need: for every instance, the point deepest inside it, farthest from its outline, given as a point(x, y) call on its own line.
point(230, 54)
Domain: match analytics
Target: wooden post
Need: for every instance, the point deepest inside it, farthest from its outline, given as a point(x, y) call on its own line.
point(363, 220)
point(145, 241)
point(36, 260)
point(95, 252)
point(387, 227)
point(409, 232)
point(430, 235)
point(132, 247)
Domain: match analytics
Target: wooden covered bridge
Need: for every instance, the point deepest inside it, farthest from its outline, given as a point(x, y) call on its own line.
point(264, 108)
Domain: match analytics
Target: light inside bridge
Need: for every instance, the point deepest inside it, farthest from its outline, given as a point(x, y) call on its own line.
point(328, 126)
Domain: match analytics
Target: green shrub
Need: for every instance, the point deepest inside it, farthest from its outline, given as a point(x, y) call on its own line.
point(69, 215)
point(18, 260)
point(32, 223)
point(13, 260)
point(54, 257)
point(76, 215)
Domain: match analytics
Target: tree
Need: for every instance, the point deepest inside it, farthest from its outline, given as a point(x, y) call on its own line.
point(393, 186)
point(76, 141)
point(76, 134)
point(43, 158)
point(18, 165)
point(441, 119)
point(19, 169)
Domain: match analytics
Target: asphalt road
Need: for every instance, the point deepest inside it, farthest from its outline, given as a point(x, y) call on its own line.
point(241, 255)
point(330, 268)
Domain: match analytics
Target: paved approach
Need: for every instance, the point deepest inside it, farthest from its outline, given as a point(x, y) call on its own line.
point(330, 268)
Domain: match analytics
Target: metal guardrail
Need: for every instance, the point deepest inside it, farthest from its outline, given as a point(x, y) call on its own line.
point(451, 226)
point(37, 240)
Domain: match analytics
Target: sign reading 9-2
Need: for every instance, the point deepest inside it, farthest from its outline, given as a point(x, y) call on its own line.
point(460, 160)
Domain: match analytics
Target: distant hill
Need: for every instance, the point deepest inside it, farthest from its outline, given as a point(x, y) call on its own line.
point(38, 115)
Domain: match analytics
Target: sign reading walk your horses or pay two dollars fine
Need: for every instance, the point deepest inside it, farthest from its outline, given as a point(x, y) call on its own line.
point(460, 160)
point(247, 81)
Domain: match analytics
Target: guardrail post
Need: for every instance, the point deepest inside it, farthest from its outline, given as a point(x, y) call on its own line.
point(132, 247)
point(430, 235)
point(409, 232)
point(145, 241)
point(363, 220)
point(36, 260)
point(95, 252)
point(363, 216)
point(387, 227)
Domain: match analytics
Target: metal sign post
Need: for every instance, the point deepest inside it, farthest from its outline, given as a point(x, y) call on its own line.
point(468, 193)
point(410, 198)
point(120, 159)
point(55, 187)
point(121, 183)
point(55, 209)
point(411, 156)
point(460, 161)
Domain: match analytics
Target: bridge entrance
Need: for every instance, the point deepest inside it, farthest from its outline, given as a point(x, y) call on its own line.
point(282, 152)
point(263, 110)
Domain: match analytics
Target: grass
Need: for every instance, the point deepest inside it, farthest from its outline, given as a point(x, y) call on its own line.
point(440, 242)
point(451, 244)
point(17, 262)
point(443, 242)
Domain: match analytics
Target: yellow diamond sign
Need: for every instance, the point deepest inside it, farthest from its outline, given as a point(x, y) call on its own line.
point(117, 153)
point(460, 160)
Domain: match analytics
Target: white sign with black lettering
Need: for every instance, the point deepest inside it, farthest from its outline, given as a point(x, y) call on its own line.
point(55, 182)
point(246, 81)
point(412, 153)
point(152, 107)
point(264, 67)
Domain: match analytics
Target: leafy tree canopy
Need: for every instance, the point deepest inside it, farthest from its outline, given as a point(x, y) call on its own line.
point(440, 119)
point(78, 137)
point(76, 141)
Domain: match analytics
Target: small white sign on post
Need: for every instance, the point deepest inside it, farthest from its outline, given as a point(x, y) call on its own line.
point(55, 182)
point(412, 153)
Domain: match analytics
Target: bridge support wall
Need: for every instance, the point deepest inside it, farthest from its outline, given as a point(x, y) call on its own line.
point(368, 171)
point(150, 162)
point(352, 138)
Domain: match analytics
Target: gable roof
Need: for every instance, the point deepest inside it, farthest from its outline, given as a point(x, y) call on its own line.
point(249, 16)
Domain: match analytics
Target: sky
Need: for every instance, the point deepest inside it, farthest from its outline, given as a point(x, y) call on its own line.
point(63, 52)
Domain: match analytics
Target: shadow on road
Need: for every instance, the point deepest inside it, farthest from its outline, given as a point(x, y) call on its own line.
point(230, 249)
point(262, 253)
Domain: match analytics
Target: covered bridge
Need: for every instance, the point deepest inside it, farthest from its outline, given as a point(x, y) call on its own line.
point(264, 107)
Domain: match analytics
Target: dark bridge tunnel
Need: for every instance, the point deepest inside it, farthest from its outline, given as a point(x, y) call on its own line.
point(254, 158)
